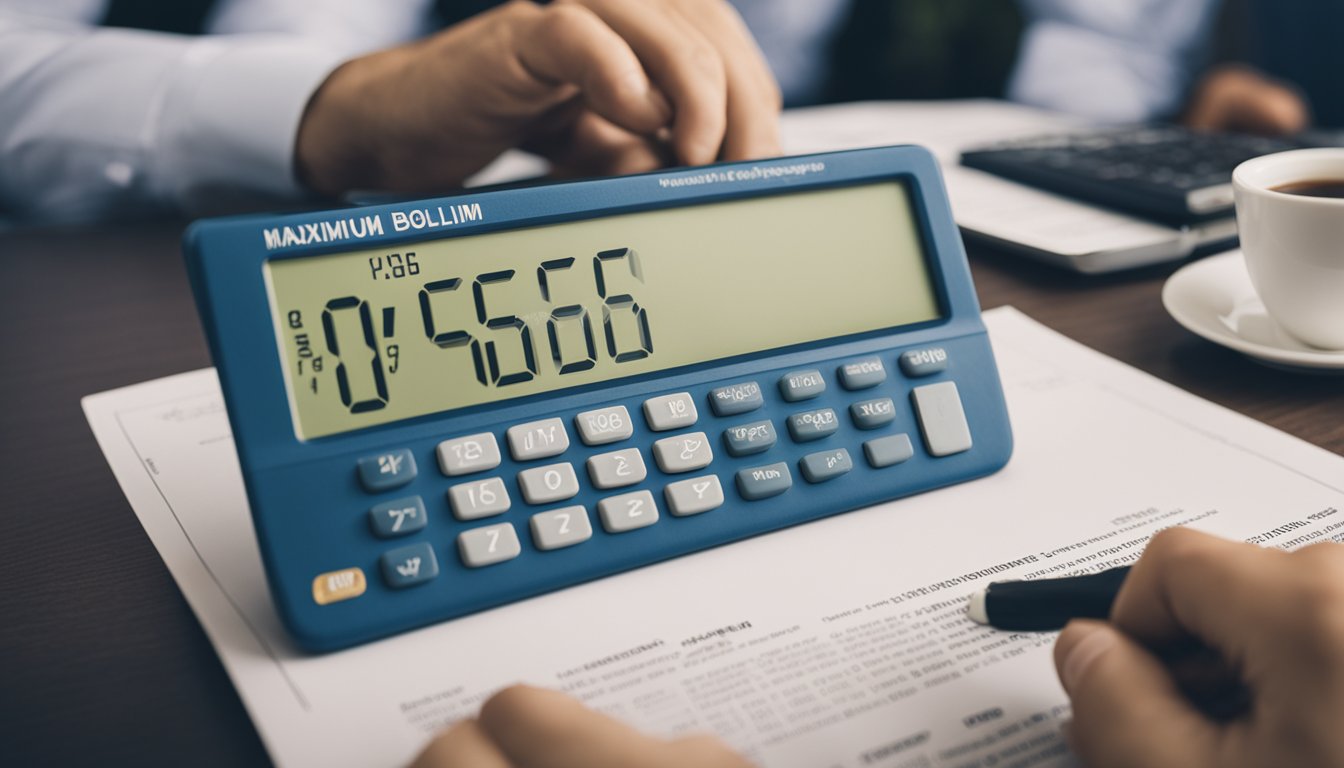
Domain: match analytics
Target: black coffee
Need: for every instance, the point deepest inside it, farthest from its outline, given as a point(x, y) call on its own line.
point(1313, 188)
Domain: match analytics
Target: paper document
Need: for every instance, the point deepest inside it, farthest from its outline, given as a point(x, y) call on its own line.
point(837, 643)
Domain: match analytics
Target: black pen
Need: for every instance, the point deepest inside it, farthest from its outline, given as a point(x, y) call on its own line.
point(1046, 604)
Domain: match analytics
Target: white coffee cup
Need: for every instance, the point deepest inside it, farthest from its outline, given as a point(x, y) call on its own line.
point(1294, 244)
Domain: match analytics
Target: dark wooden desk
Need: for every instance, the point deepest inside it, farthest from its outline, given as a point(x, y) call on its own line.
point(101, 660)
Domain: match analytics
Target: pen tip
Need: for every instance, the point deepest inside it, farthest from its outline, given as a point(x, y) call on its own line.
point(975, 609)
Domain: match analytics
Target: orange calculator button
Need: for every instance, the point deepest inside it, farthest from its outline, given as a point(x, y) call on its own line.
point(335, 586)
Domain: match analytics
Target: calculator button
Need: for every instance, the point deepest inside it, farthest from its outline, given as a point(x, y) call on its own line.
point(537, 439)
point(482, 498)
point(941, 418)
point(923, 362)
point(871, 414)
point(764, 482)
point(746, 439)
point(813, 425)
point(489, 545)
point(627, 511)
point(691, 497)
point(398, 517)
point(386, 470)
point(464, 455)
point(801, 385)
point(604, 425)
point(736, 398)
point(562, 527)
point(617, 469)
point(886, 451)
point(335, 586)
point(408, 566)
point(862, 374)
point(824, 465)
point(554, 482)
point(670, 412)
point(683, 453)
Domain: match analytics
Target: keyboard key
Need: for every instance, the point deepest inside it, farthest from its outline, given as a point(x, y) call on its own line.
point(398, 517)
point(554, 482)
point(411, 565)
point(464, 455)
point(886, 451)
point(825, 465)
point(691, 497)
point(746, 439)
point(813, 425)
point(386, 470)
point(627, 511)
point(941, 418)
point(562, 527)
point(489, 545)
point(862, 374)
point(617, 469)
point(923, 362)
point(871, 414)
point(801, 385)
point(764, 482)
point(335, 586)
point(537, 439)
point(670, 412)
point(683, 453)
point(481, 498)
point(736, 398)
point(604, 425)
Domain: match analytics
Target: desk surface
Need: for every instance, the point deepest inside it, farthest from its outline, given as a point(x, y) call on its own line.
point(100, 656)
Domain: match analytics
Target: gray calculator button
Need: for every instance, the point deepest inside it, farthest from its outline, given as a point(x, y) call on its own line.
point(464, 455)
point(683, 453)
point(670, 412)
point(923, 362)
point(562, 527)
point(736, 398)
point(627, 511)
point(553, 482)
point(386, 470)
point(824, 465)
point(746, 439)
point(616, 469)
point(482, 498)
point(691, 497)
point(538, 439)
point(813, 425)
point(941, 418)
point(489, 545)
point(764, 482)
point(408, 566)
point(886, 451)
point(801, 385)
point(397, 517)
point(862, 374)
point(871, 414)
point(604, 425)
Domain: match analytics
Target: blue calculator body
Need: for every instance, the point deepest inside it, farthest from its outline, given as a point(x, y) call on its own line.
point(451, 404)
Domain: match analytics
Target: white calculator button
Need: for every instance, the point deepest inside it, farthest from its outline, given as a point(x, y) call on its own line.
point(538, 439)
point(617, 469)
point(489, 545)
point(562, 527)
point(670, 412)
point(691, 497)
point(683, 453)
point(941, 418)
point(464, 455)
point(604, 425)
point(482, 498)
point(627, 511)
point(553, 482)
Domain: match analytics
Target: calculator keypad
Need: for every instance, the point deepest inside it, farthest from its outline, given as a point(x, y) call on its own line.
point(765, 481)
point(746, 439)
point(871, 414)
point(489, 545)
point(887, 451)
point(538, 440)
point(691, 497)
point(670, 412)
point(825, 465)
point(398, 517)
point(813, 425)
point(481, 498)
point(801, 385)
point(561, 528)
point(733, 399)
point(604, 425)
point(617, 469)
point(862, 374)
point(410, 565)
point(683, 453)
point(464, 455)
point(543, 485)
point(627, 511)
point(941, 418)
point(386, 471)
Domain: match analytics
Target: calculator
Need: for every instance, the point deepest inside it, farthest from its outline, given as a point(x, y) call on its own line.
point(448, 405)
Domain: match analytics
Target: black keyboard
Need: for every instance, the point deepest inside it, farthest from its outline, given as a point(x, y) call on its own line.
point(1165, 173)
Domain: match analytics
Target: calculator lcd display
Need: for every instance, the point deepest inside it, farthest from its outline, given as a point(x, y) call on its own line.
point(375, 336)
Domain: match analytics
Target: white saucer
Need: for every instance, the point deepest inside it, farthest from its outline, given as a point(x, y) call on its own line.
point(1214, 298)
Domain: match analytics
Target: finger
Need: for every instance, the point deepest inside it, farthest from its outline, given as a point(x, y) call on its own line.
point(596, 147)
point(463, 744)
point(1126, 709)
point(1269, 108)
point(537, 728)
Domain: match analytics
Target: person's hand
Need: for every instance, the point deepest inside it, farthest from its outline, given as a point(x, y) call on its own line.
point(1273, 620)
point(595, 86)
point(1236, 98)
point(522, 727)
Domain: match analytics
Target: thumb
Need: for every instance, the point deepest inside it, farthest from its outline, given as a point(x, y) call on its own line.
point(1127, 710)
